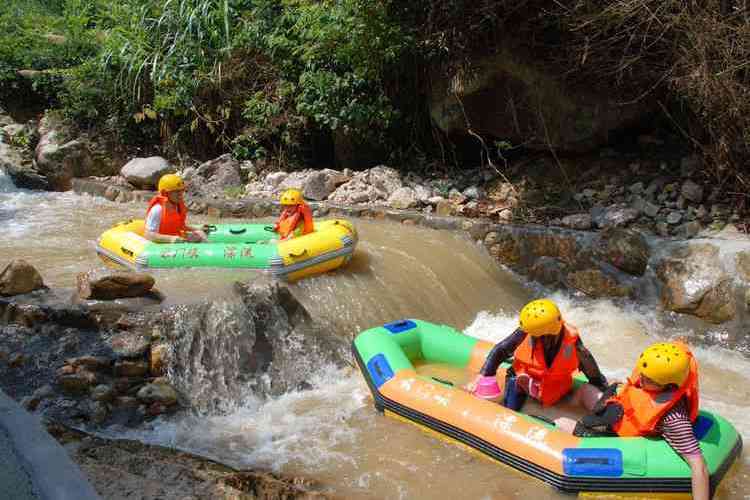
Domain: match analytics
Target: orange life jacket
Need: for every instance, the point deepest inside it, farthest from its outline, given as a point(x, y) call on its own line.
point(556, 380)
point(290, 220)
point(643, 410)
point(172, 221)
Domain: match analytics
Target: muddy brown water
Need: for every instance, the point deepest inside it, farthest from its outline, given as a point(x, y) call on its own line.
point(332, 432)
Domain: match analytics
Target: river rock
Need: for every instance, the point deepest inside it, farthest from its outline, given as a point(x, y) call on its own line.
point(373, 185)
point(403, 198)
point(548, 271)
point(61, 163)
point(625, 249)
point(19, 277)
point(613, 216)
point(157, 393)
point(315, 185)
point(23, 174)
point(77, 383)
point(128, 368)
point(581, 222)
point(106, 285)
point(214, 177)
point(695, 282)
point(595, 283)
point(159, 359)
point(102, 392)
point(130, 344)
point(692, 191)
point(144, 173)
point(742, 261)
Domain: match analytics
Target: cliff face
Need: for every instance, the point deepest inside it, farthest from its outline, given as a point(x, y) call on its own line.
point(513, 98)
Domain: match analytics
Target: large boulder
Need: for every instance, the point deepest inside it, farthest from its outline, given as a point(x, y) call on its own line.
point(60, 163)
point(58, 156)
point(19, 277)
point(106, 285)
point(625, 249)
point(214, 177)
point(315, 184)
point(144, 173)
point(507, 95)
point(23, 174)
point(695, 282)
point(374, 185)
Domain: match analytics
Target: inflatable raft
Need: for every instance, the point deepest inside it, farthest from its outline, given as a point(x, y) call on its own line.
point(392, 359)
point(244, 246)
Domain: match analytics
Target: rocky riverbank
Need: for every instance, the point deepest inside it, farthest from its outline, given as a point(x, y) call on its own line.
point(124, 469)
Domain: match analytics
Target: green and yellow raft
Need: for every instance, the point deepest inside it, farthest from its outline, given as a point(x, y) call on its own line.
point(243, 246)
point(394, 359)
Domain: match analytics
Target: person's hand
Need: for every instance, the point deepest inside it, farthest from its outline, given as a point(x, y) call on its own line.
point(471, 386)
point(193, 237)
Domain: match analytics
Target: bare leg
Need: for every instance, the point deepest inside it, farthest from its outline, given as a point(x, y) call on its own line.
point(587, 396)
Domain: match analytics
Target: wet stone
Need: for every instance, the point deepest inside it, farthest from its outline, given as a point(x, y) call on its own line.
point(102, 392)
point(130, 344)
point(127, 368)
point(689, 229)
point(674, 218)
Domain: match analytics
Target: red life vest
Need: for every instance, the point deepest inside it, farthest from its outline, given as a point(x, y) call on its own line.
point(294, 221)
point(643, 410)
point(556, 380)
point(172, 221)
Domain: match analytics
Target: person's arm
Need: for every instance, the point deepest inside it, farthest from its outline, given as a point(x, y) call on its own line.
point(587, 364)
point(699, 476)
point(502, 351)
point(678, 432)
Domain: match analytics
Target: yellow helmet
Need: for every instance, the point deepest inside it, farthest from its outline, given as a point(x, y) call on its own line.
point(291, 197)
point(541, 317)
point(664, 363)
point(171, 182)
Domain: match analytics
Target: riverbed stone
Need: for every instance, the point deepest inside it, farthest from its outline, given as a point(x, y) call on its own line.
point(144, 173)
point(19, 277)
point(108, 285)
point(595, 283)
point(157, 393)
point(625, 249)
point(129, 368)
point(581, 221)
point(692, 191)
point(742, 261)
point(689, 229)
point(548, 271)
point(403, 198)
point(613, 216)
point(102, 392)
point(674, 218)
point(695, 282)
point(130, 344)
point(159, 359)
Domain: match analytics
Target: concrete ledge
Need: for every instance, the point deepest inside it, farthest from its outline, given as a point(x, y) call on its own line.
point(52, 473)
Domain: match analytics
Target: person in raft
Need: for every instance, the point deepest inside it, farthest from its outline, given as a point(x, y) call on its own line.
point(166, 214)
point(296, 217)
point(546, 351)
point(660, 398)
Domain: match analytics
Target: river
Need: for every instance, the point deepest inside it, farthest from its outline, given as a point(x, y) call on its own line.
point(331, 432)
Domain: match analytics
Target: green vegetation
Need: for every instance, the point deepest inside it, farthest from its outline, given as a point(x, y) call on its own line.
point(266, 79)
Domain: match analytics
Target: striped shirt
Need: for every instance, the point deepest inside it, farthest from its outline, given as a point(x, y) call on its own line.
point(677, 430)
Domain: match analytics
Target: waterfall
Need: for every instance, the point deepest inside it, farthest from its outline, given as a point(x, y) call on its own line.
point(6, 183)
point(262, 342)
